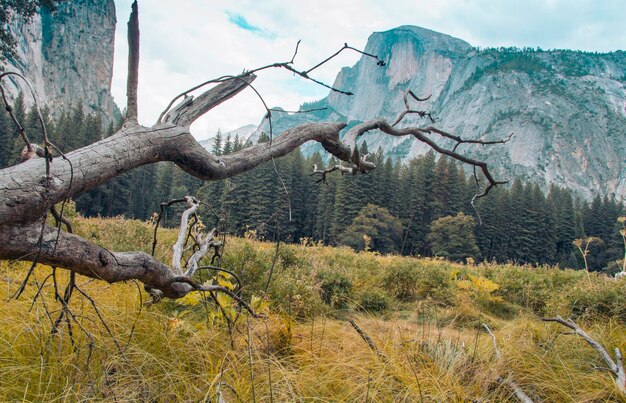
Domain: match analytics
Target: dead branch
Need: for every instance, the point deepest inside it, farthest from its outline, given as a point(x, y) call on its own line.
point(338, 167)
point(493, 338)
point(615, 367)
point(179, 245)
point(367, 339)
point(349, 151)
point(211, 288)
point(284, 65)
point(133, 65)
point(408, 110)
point(508, 381)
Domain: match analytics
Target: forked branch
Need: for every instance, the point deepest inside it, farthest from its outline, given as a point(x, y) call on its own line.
point(615, 367)
point(348, 150)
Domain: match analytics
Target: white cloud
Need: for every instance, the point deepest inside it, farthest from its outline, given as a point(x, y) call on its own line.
point(185, 43)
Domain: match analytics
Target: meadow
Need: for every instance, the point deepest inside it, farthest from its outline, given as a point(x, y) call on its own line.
point(423, 317)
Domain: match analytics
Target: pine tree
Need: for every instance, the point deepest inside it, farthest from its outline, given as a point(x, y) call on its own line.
point(6, 139)
point(561, 208)
point(517, 231)
point(76, 127)
point(417, 203)
point(326, 206)
point(228, 146)
point(313, 194)
point(92, 130)
point(544, 235)
point(16, 141)
point(294, 176)
point(237, 144)
point(487, 233)
point(440, 188)
point(455, 189)
point(217, 144)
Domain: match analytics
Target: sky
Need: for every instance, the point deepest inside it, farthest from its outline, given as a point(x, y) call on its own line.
point(187, 42)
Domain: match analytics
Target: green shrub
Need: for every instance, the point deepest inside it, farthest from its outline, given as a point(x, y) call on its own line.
point(435, 283)
point(296, 294)
point(251, 264)
point(373, 300)
point(537, 289)
point(606, 300)
point(402, 281)
point(335, 289)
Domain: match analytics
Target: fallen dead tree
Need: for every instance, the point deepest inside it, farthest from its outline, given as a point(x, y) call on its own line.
point(28, 191)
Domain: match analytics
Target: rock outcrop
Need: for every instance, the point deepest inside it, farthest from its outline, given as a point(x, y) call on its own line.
point(68, 56)
point(567, 109)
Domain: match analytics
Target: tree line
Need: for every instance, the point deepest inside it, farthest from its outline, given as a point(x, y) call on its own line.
point(391, 209)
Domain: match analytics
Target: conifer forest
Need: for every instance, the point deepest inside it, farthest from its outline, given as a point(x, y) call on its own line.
point(518, 223)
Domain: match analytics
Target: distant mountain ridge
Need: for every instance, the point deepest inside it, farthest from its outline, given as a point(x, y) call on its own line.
point(567, 109)
point(244, 134)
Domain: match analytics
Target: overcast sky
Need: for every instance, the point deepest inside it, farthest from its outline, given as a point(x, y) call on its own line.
point(187, 42)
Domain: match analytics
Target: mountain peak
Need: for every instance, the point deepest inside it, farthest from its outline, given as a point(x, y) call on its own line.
point(424, 38)
point(566, 108)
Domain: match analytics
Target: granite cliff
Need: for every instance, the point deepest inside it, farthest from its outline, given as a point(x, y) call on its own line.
point(567, 109)
point(68, 56)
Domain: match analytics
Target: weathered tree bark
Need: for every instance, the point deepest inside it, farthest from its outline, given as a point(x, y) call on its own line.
point(28, 191)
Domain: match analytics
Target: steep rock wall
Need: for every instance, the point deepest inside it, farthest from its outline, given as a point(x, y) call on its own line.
point(68, 56)
point(567, 109)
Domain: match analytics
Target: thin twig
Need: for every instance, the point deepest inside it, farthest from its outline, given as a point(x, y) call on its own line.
point(250, 359)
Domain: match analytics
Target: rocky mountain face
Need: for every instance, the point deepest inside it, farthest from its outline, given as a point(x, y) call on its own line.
point(566, 109)
point(68, 57)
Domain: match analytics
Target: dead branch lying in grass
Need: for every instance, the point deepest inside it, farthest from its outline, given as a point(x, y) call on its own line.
point(615, 367)
point(508, 381)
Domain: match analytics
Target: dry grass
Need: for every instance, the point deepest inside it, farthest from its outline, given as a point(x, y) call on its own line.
point(432, 349)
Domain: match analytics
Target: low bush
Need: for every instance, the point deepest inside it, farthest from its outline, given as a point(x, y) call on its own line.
point(336, 289)
point(373, 300)
point(401, 280)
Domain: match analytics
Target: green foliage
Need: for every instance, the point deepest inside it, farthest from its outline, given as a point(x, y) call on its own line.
point(402, 281)
point(373, 300)
point(297, 294)
point(453, 238)
point(604, 299)
point(373, 228)
point(335, 289)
